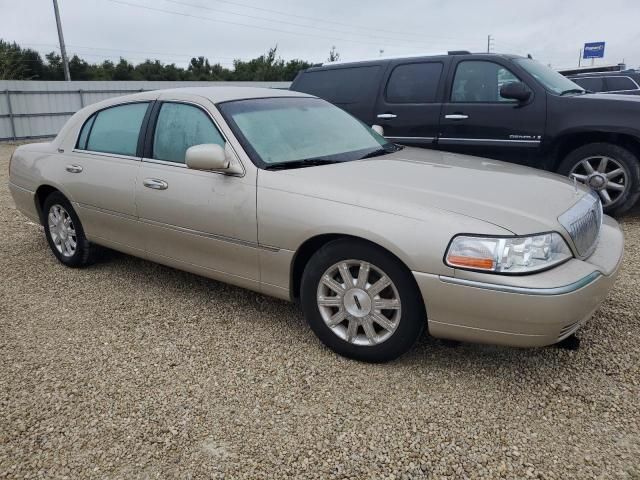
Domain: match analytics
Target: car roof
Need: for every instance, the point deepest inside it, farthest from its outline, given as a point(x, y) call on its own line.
point(379, 60)
point(617, 73)
point(226, 94)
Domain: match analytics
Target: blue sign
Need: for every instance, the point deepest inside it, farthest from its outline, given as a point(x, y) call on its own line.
point(593, 50)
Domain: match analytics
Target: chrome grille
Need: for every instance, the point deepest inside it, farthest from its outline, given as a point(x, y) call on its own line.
point(583, 222)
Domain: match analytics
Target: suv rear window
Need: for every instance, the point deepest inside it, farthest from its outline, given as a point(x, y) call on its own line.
point(339, 85)
point(615, 84)
point(414, 83)
point(593, 84)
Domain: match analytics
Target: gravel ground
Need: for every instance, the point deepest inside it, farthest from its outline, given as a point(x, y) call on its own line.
point(132, 370)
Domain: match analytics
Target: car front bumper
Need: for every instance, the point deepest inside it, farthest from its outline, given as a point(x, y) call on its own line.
point(524, 311)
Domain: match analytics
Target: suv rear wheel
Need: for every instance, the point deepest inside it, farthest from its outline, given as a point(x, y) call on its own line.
point(610, 170)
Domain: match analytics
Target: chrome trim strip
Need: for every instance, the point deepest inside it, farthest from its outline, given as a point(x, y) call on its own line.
point(105, 154)
point(411, 138)
point(572, 287)
point(213, 236)
point(13, 185)
point(488, 140)
point(199, 233)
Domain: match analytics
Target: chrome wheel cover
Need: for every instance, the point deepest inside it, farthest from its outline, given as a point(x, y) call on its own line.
point(62, 230)
point(604, 175)
point(359, 302)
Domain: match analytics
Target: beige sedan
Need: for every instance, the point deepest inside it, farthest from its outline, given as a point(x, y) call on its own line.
point(285, 194)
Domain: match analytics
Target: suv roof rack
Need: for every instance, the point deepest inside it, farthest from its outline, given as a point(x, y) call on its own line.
point(393, 57)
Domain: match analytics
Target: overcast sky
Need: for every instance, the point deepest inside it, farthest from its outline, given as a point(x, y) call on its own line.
point(553, 31)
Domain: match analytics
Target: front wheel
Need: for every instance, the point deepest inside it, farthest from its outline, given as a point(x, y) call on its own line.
point(610, 170)
point(361, 301)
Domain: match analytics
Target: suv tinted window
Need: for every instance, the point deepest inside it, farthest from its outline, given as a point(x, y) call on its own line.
point(116, 129)
point(340, 85)
point(179, 127)
point(480, 81)
point(414, 83)
point(620, 83)
point(594, 84)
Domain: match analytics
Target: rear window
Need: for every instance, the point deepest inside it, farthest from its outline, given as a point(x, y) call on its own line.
point(339, 85)
point(621, 83)
point(114, 130)
point(414, 83)
point(594, 84)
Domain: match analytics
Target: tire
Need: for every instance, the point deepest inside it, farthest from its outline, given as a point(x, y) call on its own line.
point(56, 206)
point(366, 340)
point(623, 190)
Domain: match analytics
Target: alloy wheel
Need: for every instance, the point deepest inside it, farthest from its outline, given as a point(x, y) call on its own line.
point(604, 175)
point(359, 302)
point(62, 230)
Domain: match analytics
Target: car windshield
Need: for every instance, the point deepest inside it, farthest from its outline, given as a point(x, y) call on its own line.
point(549, 78)
point(300, 131)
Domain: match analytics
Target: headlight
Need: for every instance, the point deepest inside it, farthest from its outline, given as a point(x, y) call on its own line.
point(507, 254)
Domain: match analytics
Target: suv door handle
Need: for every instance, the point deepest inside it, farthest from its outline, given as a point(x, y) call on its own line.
point(73, 168)
point(155, 184)
point(456, 116)
point(387, 115)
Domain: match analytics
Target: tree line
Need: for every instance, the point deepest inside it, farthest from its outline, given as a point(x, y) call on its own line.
point(17, 63)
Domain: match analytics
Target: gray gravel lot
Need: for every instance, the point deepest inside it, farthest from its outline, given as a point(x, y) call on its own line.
point(132, 370)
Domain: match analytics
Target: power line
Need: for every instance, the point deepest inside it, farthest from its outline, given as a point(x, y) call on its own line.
point(333, 22)
point(368, 35)
point(215, 20)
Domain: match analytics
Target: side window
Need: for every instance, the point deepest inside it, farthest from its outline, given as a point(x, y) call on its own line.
point(84, 133)
point(480, 81)
point(615, 84)
point(414, 83)
point(179, 127)
point(116, 129)
point(340, 85)
point(593, 84)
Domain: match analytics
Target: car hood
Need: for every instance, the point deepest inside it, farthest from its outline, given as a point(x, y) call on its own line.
point(412, 181)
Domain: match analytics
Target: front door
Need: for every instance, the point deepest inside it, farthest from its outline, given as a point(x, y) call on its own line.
point(196, 220)
point(476, 120)
point(409, 105)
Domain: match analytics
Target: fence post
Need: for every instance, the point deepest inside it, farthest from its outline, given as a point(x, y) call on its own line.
point(11, 120)
point(81, 98)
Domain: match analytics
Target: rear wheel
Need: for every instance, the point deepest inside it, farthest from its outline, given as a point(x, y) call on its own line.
point(64, 232)
point(610, 170)
point(361, 301)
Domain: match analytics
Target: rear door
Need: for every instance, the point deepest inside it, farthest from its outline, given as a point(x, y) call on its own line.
point(101, 174)
point(352, 88)
point(409, 103)
point(476, 120)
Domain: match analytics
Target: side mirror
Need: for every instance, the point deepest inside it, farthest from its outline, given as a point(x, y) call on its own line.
point(207, 156)
point(515, 91)
point(378, 129)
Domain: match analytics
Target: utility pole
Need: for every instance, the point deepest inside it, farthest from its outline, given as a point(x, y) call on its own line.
point(489, 43)
point(63, 50)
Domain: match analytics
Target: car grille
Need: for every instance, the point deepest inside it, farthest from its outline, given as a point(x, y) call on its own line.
point(583, 222)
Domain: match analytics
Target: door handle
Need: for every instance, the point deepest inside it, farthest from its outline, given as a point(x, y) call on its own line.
point(155, 184)
point(387, 115)
point(456, 116)
point(73, 168)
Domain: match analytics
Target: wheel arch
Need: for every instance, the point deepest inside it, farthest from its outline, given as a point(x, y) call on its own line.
point(41, 194)
point(306, 250)
point(569, 141)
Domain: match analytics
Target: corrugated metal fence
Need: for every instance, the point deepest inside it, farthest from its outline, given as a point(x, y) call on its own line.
point(37, 109)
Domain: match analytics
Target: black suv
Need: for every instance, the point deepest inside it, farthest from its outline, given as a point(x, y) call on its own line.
point(625, 82)
point(499, 106)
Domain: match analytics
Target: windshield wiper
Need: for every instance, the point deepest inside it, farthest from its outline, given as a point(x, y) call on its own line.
point(309, 162)
point(382, 151)
point(573, 90)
